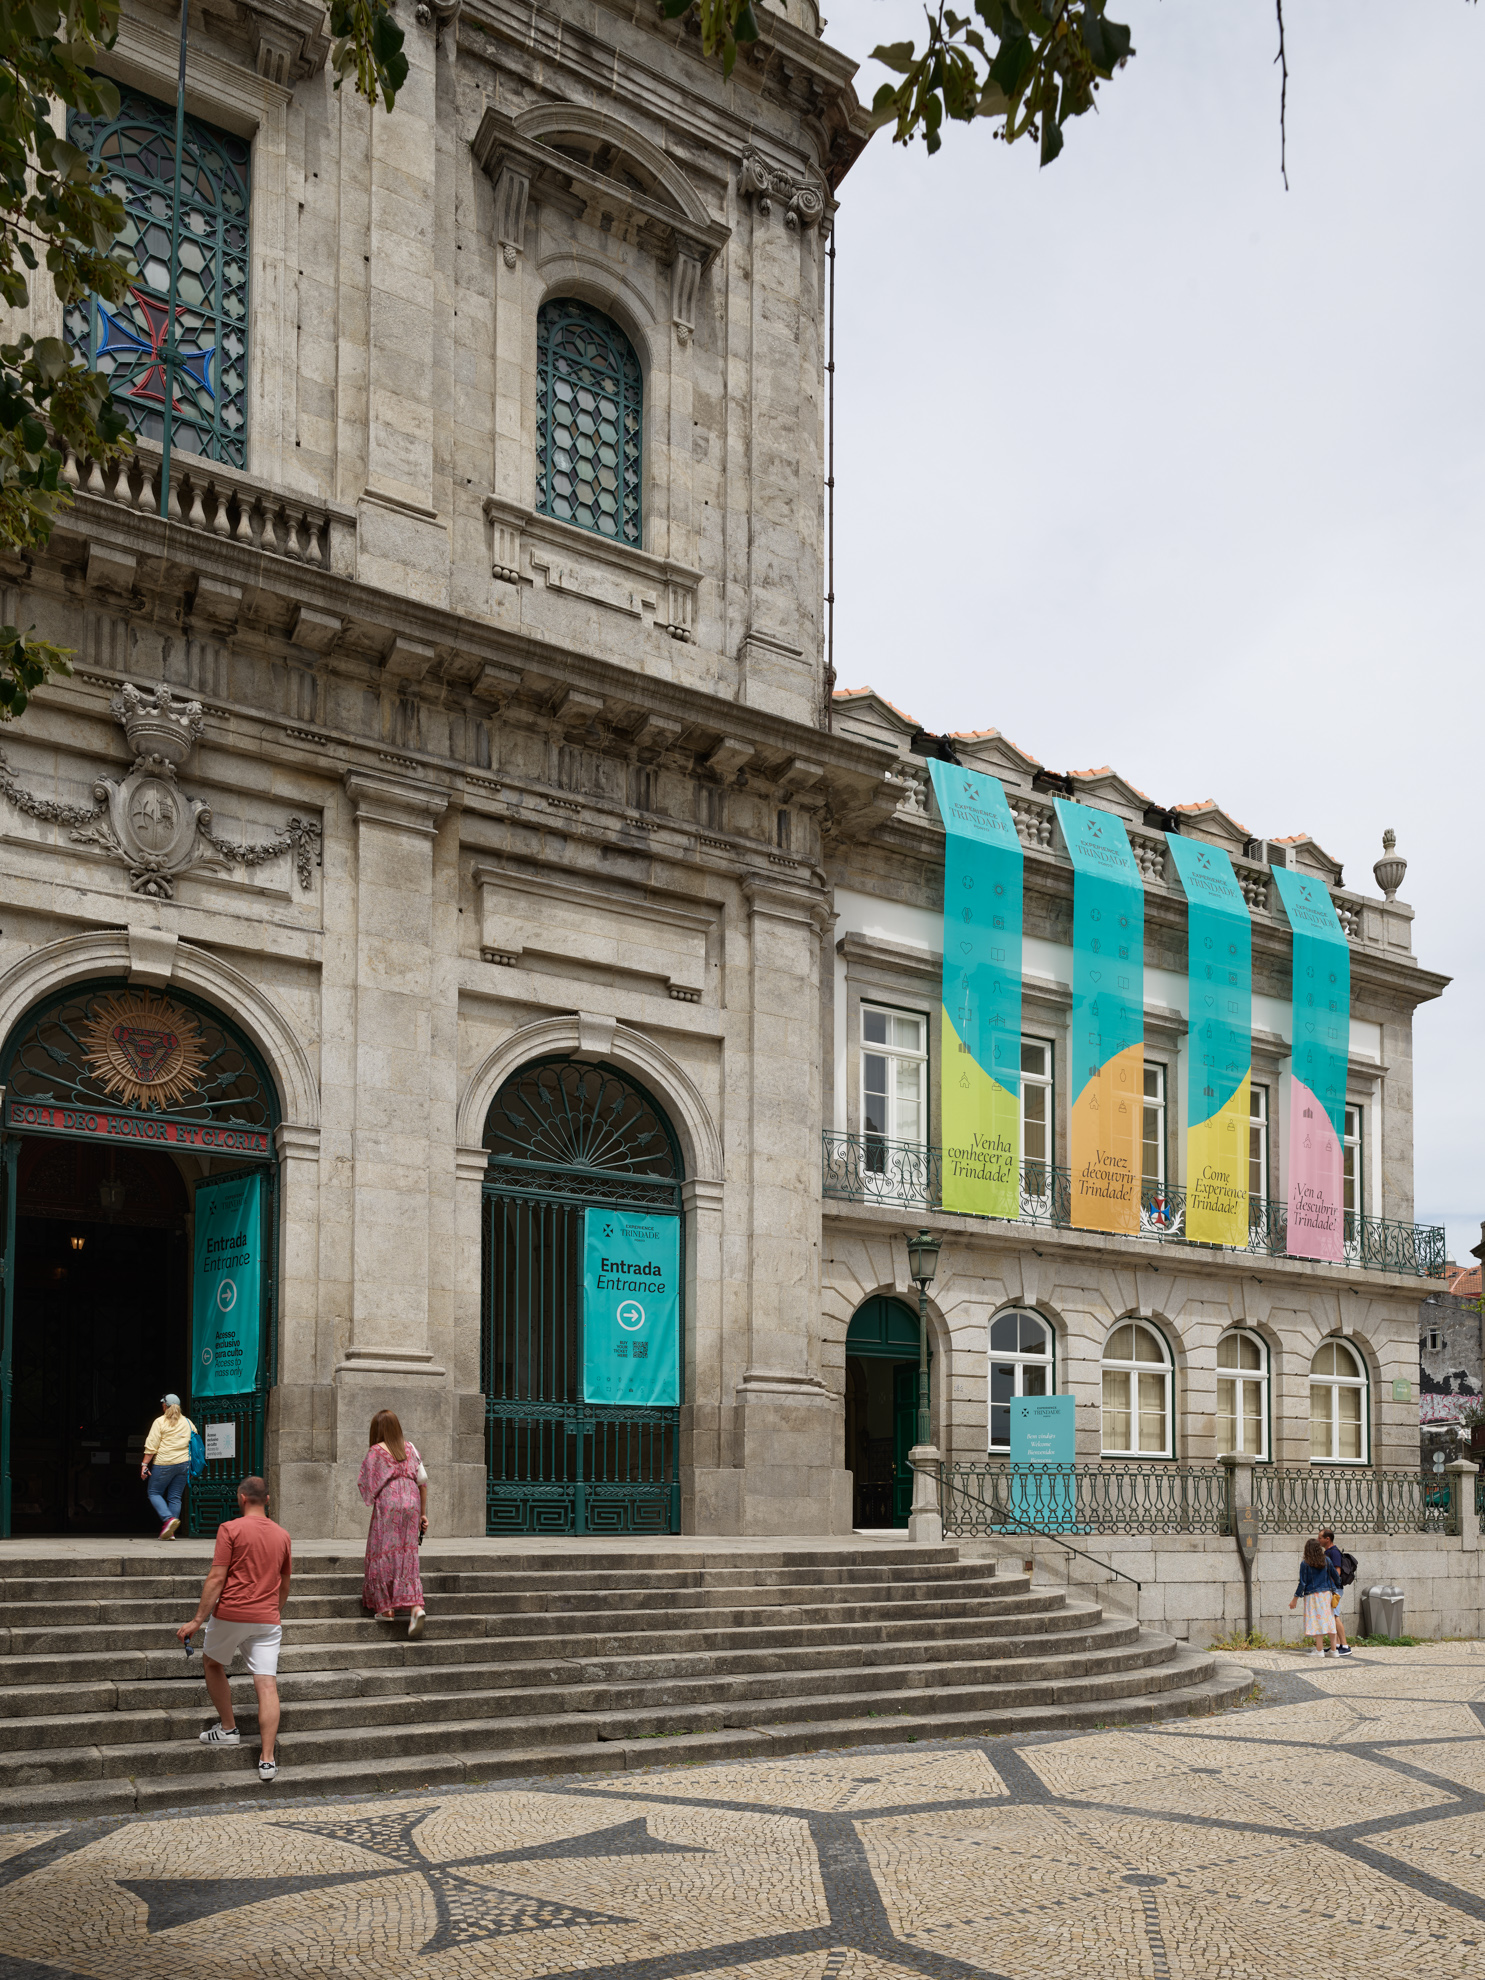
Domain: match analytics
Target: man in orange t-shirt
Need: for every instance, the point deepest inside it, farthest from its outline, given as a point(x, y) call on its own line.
point(244, 1598)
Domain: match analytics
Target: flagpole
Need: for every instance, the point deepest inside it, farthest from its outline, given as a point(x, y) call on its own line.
point(171, 353)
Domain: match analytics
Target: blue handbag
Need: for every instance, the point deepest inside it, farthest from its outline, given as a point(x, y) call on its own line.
point(196, 1462)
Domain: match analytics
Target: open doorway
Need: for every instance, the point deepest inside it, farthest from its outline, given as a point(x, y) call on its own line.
point(881, 1411)
point(101, 1330)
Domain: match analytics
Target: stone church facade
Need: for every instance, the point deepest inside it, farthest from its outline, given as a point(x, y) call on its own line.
point(452, 784)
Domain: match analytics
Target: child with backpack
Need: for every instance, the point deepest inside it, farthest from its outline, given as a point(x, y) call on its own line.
point(1317, 1578)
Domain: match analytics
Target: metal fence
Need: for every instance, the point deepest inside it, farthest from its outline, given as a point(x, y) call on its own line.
point(868, 1168)
point(984, 1496)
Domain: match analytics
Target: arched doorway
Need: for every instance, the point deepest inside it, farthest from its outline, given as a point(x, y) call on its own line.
point(129, 1113)
point(881, 1410)
point(569, 1141)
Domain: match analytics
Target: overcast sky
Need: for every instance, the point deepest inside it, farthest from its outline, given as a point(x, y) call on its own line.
point(1144, 461)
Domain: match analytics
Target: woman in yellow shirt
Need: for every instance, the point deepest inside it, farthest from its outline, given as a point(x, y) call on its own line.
point(168, 1449)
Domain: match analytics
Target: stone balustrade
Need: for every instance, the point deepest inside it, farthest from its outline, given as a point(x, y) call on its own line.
point(219, 501)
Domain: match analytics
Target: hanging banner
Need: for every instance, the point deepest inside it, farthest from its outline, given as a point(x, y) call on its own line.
point(1321, 1047)
point(980, 1052)
point(631, 1308)
point(1107, 1038)
point(1043, 1458)
point(1219, 975)
point(227, 1292)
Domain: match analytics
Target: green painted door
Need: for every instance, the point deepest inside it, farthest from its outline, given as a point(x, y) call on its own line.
point(904, 1436)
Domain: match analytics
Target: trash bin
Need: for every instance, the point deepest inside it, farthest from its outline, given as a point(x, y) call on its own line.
point(1382, 1611)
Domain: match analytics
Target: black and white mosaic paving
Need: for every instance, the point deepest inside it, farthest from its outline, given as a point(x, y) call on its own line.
point(1339, 1819)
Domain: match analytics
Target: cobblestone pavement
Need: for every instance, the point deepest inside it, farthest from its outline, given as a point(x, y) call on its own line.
point(1338, 1821)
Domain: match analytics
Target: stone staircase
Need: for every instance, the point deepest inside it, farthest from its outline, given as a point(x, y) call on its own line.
point(560, 1662)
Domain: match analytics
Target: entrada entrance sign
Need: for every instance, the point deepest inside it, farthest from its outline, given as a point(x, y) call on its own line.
point(631, 1308)
point(227, 1291)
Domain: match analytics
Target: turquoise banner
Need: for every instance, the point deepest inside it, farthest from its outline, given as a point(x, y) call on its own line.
point(1219, 975)
point(1043, 1450)
point(227, 1292)
point(980, 1050)
point(1106, 1047)
point(1321, 1049)
point(631, 1308)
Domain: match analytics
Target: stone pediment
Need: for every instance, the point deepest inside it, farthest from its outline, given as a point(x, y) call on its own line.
point(1206, 819)
point(996, 755)
point(1309, 856)
point(1106, 790)
point(865, 713)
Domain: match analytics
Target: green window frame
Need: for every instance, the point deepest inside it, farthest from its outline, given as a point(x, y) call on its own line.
point(589, 422)
point(125, 341)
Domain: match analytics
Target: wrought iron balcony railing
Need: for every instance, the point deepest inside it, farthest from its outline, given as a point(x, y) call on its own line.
point(867, 1168)
point(989, 1495)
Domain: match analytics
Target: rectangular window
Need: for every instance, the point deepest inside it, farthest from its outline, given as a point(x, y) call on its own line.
point(1258, 1141)
point(1036, 1110)
point(1353, 1201)
point(894, 1077)
point(126, 340)
point(1154, 1139)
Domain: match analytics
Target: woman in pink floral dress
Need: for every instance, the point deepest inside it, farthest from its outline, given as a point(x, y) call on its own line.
point(395, 1486)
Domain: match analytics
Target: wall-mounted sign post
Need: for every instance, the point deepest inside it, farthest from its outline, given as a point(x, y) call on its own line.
point(227, 1292)
point(631, 1308)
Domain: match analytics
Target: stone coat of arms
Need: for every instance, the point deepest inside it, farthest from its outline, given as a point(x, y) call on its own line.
point(144, 819)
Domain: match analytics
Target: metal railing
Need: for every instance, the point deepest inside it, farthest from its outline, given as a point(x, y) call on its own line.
point(908, 1175)
point(988, 1496)
point(1302, 1498)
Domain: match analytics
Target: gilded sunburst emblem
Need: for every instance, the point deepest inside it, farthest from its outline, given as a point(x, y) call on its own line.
point(143, 1049)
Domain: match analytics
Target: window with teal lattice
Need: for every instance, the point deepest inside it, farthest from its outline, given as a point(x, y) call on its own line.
point(589, 421)
point(126, 340)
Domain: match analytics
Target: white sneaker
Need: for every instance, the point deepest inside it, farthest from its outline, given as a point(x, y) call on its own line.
point(218, 1735)
point(267, 1772)
point(1313, 1653)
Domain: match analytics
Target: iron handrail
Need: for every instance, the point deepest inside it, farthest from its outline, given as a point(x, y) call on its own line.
point(869, 1168)
point(1025, 1526)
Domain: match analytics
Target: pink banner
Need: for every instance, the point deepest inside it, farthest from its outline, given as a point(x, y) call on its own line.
point(1315, 1178)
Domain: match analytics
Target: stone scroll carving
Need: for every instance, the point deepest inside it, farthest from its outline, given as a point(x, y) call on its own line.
point(803, 203)
point(144, 820)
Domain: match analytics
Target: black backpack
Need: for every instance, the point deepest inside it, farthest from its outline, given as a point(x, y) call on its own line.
point(1349, 1568)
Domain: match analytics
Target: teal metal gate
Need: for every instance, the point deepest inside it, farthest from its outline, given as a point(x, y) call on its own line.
point(565, 1137)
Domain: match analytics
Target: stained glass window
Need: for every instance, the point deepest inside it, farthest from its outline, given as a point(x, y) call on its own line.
point(125, 340)
point(589, 421)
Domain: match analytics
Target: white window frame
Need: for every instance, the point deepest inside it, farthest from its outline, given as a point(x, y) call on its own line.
point(1354, 1144)
point(1019, 1359)
point(1258, 1377)
point(895, 1054)
point(1258, 1120)
point(1048, 1083)
point(1335, 1383)
point(1110, 1366)
point(1158, 1102)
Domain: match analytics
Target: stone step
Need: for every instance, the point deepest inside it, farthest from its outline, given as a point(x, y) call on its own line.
point(1193, 1687)
point(135, 1712)
point(332, 1645)
point(166, 1747)
point(310, 1603)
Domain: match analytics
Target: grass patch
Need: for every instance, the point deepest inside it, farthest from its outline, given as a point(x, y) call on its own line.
point(1254, 1640)
point(1389, 1642)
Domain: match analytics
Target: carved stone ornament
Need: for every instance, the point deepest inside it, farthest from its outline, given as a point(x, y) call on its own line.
point(144, 1049)
point(804, 203)
point(144, 820)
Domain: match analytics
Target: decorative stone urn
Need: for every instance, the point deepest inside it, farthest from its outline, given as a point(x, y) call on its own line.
point(161, 731)
point(1390, 869)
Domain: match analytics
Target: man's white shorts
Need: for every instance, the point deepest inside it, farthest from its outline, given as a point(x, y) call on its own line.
point(258, 1643)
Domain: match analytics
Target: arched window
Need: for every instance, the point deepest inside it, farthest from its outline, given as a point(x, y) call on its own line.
point(1136, 1393)
point(1338, 1406)
point(1022, 1363)
point(589, 421)
point(125, 340)
point(1242, 1394)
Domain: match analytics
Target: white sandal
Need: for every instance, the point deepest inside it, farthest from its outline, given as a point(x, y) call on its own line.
point(415, 1622)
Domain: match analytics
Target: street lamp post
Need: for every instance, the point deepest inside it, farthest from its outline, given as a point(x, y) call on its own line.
point(925, 1523)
